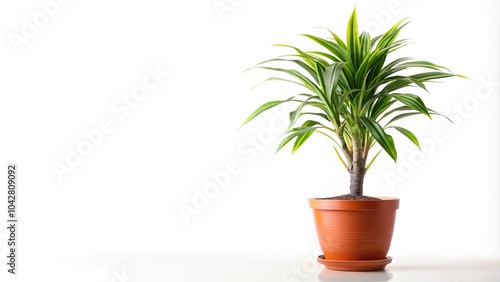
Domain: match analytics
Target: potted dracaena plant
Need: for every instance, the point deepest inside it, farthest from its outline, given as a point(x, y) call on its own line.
point(354, 96)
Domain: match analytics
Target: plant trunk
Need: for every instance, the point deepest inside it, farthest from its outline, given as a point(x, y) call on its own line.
point(357, 168)
point(357, 173)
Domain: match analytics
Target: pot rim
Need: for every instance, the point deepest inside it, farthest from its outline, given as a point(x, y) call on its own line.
point(386, 203)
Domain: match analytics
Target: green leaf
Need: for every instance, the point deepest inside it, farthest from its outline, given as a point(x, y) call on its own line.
point(365, 47)
point(408, 134)
point(340, 157)
point(295, 114)
point(353, 44)
point(428, 76)
point(385, 140)
point(322, 115)
point(338, 39)
point(390, 36)
point(301, 138)
point(401, 116)
point(432, 112)
point(422, 64)
point(331, 77)
point(375, 40)
point(265, 107)
point(300, 63)
point(293, 134)
point(398, 109)
point(396, 83)
point(382, 104)
point(338, 52)
point(372, 160)
point(412, 113)
point(278, 79)
point(412, 101)
point(306, 82)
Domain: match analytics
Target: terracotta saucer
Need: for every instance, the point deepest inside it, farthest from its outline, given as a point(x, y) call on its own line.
point(354, 265)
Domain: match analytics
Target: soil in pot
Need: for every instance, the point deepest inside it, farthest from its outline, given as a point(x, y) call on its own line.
point(351, 197)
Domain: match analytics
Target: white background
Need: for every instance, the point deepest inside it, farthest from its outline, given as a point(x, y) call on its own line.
point(125, 195)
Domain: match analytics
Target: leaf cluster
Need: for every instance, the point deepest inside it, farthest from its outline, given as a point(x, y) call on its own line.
point(352, 94)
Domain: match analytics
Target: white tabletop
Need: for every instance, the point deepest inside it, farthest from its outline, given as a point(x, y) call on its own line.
point(208, 268)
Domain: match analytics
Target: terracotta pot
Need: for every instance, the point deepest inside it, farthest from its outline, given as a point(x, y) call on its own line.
point(355, 230)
